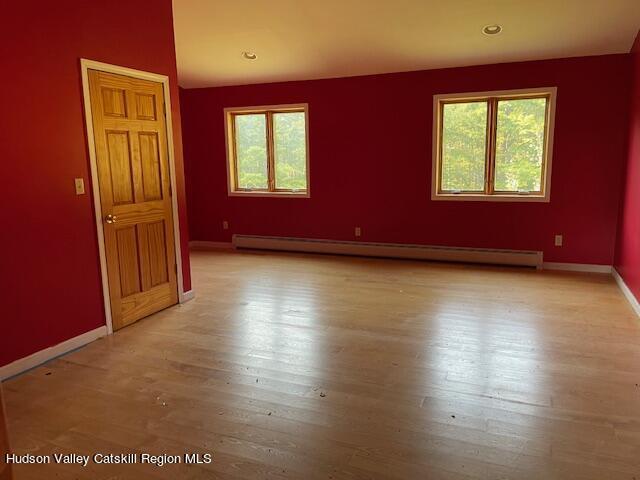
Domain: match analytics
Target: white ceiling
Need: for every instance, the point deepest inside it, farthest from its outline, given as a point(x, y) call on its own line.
point(307, 39)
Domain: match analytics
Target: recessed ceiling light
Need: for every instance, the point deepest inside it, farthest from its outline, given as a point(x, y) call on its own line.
point(492, 29)
point(249, 55)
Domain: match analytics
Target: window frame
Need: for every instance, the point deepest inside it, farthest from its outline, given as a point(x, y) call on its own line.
point(492, 98)
point(230, 135)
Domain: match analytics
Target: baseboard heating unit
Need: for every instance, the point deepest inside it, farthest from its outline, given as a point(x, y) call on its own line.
point(526, 258)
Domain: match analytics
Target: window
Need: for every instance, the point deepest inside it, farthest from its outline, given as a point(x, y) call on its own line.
point(267, 150)
point(493, 146)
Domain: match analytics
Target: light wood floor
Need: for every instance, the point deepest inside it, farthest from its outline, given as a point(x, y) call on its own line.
point(317, 367)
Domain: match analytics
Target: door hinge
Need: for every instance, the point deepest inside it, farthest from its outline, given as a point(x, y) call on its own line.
point(175, 268)
point(164, 109)
point(170, 190)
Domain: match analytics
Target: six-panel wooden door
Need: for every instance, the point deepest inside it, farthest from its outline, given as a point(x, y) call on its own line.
point(135, 192)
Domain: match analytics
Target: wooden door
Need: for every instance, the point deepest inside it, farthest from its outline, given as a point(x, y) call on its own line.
point(5, 470)
point(133, 170)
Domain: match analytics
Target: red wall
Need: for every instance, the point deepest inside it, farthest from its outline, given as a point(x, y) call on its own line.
point(628, 251)
point(49, 272)
point(370, 147)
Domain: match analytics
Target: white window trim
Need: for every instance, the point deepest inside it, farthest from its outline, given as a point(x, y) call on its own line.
point(480, 197)
point(229, 141)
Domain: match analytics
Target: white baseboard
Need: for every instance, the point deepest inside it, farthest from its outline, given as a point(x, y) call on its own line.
point(577, 267)
point(188, 295)
point(626, 292)
point(205, 245)
point(38, 358)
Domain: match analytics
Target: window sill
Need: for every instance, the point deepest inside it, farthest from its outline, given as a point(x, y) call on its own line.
point(270, 194)
point(466, 197)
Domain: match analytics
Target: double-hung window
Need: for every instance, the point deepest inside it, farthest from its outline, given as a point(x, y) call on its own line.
point(493, 145)
point(267, 150)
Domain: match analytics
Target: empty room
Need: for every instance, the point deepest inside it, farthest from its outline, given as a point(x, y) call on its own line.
point(340, 239)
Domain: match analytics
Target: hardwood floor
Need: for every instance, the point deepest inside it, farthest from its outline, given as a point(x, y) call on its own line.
point(5, 470)
point(317, 367)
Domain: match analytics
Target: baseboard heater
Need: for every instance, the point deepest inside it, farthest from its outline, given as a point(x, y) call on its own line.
point(527, 258)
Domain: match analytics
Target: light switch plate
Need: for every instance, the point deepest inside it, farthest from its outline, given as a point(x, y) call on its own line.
point(79, 182)
point(358, 231)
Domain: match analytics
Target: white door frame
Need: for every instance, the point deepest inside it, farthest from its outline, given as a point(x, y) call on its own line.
point(85, 66)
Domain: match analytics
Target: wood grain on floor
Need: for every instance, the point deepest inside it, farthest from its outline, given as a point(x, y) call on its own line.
point(320, 367)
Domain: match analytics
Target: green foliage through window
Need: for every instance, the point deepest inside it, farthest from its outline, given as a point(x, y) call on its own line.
point(514, 131)
point(251, 151)
point(464, 132)
point(290, 150)
point(270, 150)
point(520, 144)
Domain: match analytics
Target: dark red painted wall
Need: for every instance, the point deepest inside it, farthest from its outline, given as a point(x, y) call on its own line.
point(628, 251)
point(370, 146)
point(49, 272)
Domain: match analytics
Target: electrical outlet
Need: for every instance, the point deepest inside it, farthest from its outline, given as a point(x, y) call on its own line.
point(358, 231)
point(558, 240)
point(225, 225)
point(79, 183)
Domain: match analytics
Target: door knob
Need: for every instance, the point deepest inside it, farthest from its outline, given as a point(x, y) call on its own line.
point(110, 218)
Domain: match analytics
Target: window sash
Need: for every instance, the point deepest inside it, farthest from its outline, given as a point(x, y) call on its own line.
point(490, 148)
point(543, 165)
point(441, 146)
point(270, 142)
